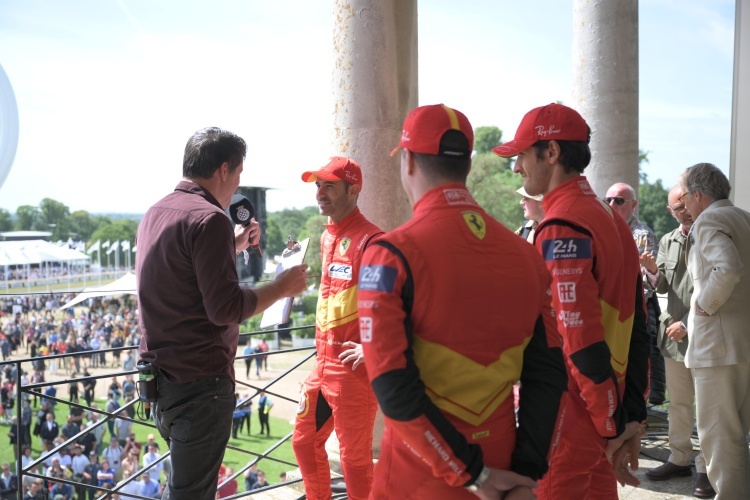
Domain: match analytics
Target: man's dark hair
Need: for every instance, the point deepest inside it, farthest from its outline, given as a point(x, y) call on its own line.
point(208, 148)
point(444, 167)
point(574, 155)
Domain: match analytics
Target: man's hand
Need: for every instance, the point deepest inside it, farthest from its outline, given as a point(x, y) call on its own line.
point(353, 354)
point(293, 281)
point(649, 262)
point(627, 455)
point(245, 236)
point(631, 429)
point(501, 481)
point(699, 311)
point(520, 493)
point(675, 331)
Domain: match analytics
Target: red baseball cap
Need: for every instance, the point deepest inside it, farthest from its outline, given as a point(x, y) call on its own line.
point(338, 169)
point(551, 122)
point(426, 130)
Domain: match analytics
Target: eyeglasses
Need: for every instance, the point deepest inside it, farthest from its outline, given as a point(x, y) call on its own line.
point(619, 201)
point(678, 208)
point(681, 199)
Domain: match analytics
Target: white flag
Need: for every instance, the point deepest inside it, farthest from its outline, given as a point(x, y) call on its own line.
point(105, 244)
point(96, 247)
point(113, 247)
point(125, 244)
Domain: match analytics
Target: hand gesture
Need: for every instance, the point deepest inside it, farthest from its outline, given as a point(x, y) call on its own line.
point(352, 355)
point(502, 481)
point(649, 262)
point(293, 280)
point(245, 236)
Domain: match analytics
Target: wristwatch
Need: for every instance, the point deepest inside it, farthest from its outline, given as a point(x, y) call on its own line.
point(479, 481)
point(683, 325)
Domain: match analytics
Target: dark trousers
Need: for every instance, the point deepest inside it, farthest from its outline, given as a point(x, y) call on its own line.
point(658, 376)
point(263, 417)
point(196, 420)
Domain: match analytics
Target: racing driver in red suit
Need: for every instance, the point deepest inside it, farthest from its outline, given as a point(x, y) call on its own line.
point(337, 395)
point(598, 299)
point(454, 309)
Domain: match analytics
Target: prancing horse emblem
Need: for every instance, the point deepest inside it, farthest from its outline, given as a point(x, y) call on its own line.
point(476, 223)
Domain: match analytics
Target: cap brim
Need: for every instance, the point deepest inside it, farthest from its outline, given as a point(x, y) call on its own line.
point(314, 176)
point(512, 148)
point(395, 150)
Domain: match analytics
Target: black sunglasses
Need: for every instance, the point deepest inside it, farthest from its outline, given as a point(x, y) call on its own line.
point(619, 201)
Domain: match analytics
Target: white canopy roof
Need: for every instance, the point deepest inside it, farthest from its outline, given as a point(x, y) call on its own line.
point(21, 253)
point(123, 286)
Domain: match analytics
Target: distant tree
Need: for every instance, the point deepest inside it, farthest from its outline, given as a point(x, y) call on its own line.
point(82, 225)
point(653, 207)
point(314, 228)
point(284, 223)
point(26, 216)
point(53, 216)
point(275, 243)
point(6, 221)
point(494, 185)
point(486, 138)
point(119, 230)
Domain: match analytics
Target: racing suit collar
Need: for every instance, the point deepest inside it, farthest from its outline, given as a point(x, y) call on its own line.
point(559, 192)
point(446, 195)
point(344, 224)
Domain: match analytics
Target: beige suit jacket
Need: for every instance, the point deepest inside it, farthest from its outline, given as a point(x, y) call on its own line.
point(718, 254)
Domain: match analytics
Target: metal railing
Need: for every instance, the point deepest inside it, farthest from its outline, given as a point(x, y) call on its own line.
point(35, 389)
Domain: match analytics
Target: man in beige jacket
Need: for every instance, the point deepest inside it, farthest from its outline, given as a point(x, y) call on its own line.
point(718, 353)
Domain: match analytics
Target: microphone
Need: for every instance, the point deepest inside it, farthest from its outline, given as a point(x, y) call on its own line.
point(241, 211)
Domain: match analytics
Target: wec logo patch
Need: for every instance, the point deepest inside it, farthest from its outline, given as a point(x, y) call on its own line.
point(377, 278)
point(566, 248)
point(340, 271)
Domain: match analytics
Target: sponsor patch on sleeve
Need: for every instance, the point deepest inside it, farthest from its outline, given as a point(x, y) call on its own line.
point(377, 278)
point(566, 248)
point(365, 329)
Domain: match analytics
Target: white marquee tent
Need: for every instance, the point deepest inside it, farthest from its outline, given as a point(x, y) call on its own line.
point(36, 252)
point(123, 286)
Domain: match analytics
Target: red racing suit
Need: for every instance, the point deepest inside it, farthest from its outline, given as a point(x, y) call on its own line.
point(598, 299)
point(334, 396)
point(454, 309)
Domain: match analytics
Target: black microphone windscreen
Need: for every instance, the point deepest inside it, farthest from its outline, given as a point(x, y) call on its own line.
point(241, 210)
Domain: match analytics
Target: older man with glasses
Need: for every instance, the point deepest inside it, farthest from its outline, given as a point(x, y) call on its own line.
point(718, 252)
point(622, 199)
point(668, 273)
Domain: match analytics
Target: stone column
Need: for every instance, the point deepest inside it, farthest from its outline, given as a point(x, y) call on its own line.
point(374, 86)
point(739, 156)
point(605, 87)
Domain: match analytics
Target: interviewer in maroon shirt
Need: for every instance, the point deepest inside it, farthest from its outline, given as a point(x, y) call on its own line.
point(191, 304)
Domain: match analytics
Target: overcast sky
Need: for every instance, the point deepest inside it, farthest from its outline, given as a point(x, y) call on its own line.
point(109, 91)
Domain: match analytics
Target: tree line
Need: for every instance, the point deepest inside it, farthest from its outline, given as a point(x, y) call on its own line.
point(491, 180)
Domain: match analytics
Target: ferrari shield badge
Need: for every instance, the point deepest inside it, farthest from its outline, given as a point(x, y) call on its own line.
point(344, 246)
point(476, 223)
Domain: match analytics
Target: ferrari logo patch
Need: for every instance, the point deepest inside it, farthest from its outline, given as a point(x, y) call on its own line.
point(476, 223)
point(344, 246)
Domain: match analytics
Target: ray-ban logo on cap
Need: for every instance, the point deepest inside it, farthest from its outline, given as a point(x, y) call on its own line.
point(405, 136)
point(541, 132)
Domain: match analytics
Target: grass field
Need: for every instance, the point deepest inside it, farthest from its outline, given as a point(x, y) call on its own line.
point(233, 458)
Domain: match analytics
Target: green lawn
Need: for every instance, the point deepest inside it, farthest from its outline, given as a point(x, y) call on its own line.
point(233, 458)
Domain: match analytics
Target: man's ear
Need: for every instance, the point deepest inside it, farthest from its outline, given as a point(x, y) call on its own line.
point(223, 171)
point(411, 162)
point(552, 153)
